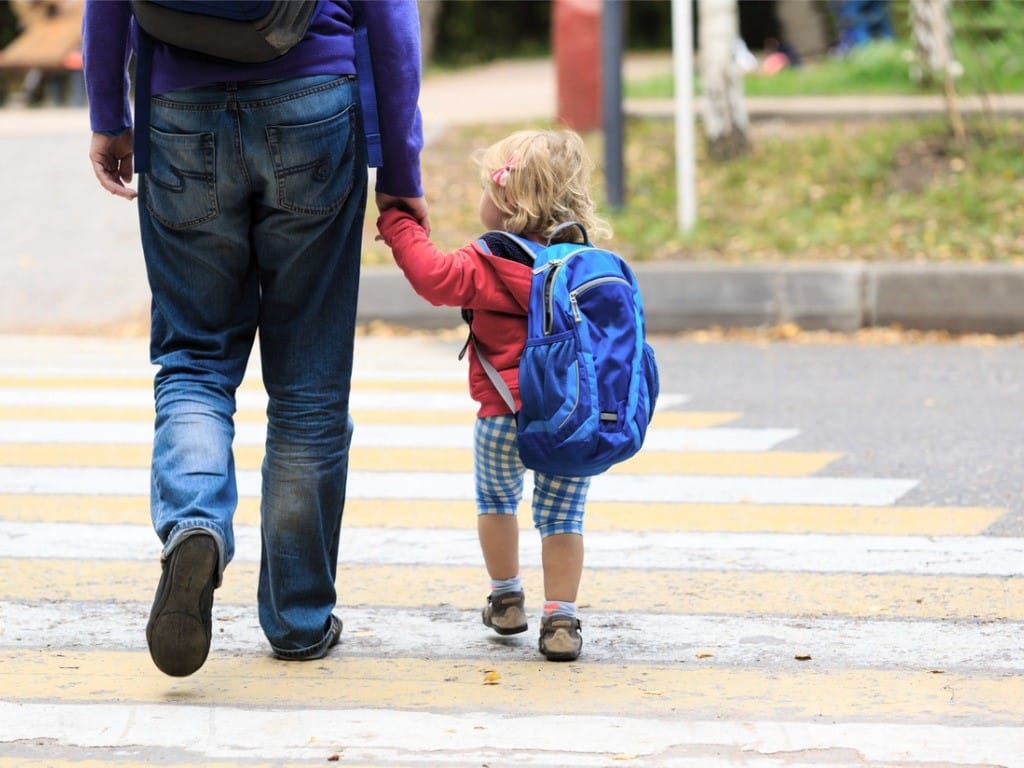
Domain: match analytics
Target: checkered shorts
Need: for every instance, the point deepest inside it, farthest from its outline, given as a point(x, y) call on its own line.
point(558, 502)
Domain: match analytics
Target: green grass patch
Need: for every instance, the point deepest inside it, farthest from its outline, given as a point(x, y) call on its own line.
point(881, 67)
point(894, 190)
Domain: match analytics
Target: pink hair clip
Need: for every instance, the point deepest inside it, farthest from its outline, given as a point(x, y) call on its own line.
point(500, 176)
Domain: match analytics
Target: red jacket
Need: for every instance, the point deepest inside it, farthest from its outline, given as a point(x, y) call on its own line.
point(495, 288)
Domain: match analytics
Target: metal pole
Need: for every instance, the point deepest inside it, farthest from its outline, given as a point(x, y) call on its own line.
point(682, 57)
point(611, 99)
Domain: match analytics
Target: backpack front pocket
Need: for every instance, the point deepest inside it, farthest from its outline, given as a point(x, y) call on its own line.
point(554, 380)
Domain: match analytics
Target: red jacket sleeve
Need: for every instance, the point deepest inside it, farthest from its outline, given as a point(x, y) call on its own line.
point(466, 277)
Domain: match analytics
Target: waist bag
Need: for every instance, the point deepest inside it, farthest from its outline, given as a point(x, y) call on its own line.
point(240, 31)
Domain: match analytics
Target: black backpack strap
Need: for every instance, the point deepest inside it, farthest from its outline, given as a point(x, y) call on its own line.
point(509, 246)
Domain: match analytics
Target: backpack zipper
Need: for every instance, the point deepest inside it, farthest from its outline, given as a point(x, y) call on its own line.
point(573, 301)
point(549, 279)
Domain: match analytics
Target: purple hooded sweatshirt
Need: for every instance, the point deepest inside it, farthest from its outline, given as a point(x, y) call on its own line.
point(108, 43)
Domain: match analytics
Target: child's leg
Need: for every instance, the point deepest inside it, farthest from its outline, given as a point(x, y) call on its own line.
point(499, 487)
point(558, 504)
point(562, 559)
point(499, 542)
point(558, 514)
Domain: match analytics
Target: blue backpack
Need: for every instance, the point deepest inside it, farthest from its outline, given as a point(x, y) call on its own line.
point(588, 379)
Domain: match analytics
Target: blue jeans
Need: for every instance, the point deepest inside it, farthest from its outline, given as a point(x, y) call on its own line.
point(251, 219)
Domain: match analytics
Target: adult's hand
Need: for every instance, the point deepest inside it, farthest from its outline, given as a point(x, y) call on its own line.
point(414, 206)
point(111, 158)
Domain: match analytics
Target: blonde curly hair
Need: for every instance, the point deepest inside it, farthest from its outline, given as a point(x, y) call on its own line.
point(538, 180)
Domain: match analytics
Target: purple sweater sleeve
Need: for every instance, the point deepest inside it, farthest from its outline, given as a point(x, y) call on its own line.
point(105, 55)
point(393, 27)
point(394, 32)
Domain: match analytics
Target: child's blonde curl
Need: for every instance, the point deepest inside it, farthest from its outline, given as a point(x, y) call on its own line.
point(540, 179)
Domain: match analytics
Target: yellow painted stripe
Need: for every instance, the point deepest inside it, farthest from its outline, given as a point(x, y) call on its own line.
point(665, 420)
point(523, 687)
point(398, 459)
point(206, 762)
point(975, 598)
point(137, 382)
point(600, 516)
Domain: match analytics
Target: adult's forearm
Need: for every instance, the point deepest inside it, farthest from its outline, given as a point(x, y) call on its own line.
point(393, 27)
point(105, 52)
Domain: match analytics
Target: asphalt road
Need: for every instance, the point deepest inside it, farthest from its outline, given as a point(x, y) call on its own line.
point(948, 414)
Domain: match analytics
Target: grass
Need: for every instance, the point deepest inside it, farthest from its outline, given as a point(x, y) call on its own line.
point(881, 67)
point(895, 190)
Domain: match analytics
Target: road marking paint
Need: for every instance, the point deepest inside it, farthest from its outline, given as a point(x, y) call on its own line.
point(398, 736)
point(438, 381)
point(403, 399)
point(964, 646)
point(912, 696)
point(72, 413)
point(822, 553)
point(432, 459)
point(600, 516)
point(841, 491)
point(362, 399)
point(389, 433)
point(877, 596)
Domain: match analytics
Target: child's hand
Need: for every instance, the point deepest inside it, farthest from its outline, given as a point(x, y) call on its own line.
point(414, 206)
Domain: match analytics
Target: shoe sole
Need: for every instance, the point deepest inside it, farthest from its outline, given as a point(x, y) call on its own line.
point(178, 638)
point(513, 630)
point(560, 645)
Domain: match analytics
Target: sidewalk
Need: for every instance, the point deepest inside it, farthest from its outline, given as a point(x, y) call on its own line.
point(73, 263)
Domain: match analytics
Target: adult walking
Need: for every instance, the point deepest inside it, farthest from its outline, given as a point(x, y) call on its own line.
point(251, 218)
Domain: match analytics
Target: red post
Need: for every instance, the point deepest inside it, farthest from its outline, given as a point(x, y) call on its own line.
point(576, 41)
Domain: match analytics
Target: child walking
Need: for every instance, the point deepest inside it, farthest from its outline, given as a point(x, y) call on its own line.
point(533, 181)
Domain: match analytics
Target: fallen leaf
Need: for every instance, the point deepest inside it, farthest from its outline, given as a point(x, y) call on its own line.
point(491, 677)
point(705, 655)
point(803, 657)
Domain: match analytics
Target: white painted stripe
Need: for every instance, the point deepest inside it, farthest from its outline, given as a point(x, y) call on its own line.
point(361, 399)
point(646, 638)
point(775, 552)
point(423, 436)
point(422, 738)
point(395, 400)
point(840, 491)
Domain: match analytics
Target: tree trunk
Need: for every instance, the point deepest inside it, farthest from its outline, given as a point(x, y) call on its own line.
point(933, 45)
point(430, 13)
point(724, 114)
point(804, 26)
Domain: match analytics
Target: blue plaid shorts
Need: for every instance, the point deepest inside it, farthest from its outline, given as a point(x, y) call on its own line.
point(558, 502)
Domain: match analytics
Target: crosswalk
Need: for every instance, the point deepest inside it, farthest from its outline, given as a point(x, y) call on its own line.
point(741, 605)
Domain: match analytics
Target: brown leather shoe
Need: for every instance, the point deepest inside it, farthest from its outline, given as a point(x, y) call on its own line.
point(505, 613)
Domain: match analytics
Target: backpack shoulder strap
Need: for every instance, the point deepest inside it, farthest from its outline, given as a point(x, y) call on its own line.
point(509, 246)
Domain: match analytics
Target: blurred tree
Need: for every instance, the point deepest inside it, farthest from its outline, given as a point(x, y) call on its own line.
point(9, 25)
point(430, 12)
point(932, 35)
point(933, 44)
point(725, 113)
point(476, 31)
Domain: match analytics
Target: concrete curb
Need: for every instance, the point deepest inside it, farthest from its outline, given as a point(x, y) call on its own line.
point(837, 297)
